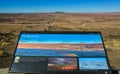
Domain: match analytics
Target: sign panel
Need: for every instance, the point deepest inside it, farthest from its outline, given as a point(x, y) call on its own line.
point(60, 52)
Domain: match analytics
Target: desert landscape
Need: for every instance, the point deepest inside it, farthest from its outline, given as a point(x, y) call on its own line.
point(76, 47)
point(11, 24)
point(62, 64)
point(73, 50)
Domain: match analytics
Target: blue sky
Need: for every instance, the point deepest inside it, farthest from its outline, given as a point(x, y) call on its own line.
point(36, 6)
point(57, 38)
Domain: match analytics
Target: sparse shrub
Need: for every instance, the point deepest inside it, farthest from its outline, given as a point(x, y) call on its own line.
point(5, 43)
point(3, 53)
point(109, 49)
point(6, 20)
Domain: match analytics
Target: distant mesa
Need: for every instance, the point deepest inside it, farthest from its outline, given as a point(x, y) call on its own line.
point(59, 12)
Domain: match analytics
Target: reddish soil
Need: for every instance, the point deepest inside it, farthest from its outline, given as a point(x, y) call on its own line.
point(63, 46)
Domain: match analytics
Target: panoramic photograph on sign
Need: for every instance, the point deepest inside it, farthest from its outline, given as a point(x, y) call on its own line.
point(60, 45)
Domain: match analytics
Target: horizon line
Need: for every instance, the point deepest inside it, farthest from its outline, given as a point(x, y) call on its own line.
point(56, 12)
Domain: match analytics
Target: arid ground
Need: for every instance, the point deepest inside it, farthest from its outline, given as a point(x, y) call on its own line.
point(107, 23)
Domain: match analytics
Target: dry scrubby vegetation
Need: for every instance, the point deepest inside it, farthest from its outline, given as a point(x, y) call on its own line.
point(107, 23)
